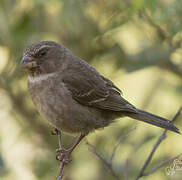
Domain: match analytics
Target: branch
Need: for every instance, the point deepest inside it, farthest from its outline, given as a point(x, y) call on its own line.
point(125, 170)
point(174, 68)
point(162, 137)
point(153, 91)
point(155, 168)
point(108, 163)
point(62, 164)
point(156, 145)
point(119, 141)
point(163, 35)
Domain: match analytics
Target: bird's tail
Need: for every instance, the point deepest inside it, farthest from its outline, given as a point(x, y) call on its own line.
point(153, 119)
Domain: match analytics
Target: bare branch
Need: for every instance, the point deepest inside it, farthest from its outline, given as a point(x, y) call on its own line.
point(153, 91)
point(119, 141)
point(174, 68)
point(162, 137)
point(62, 164)
point(177, 114)
point(156, 145)
point(161, 33)
point(164, 36)
point(107, 164)
point(154, 169)
point(125, 170)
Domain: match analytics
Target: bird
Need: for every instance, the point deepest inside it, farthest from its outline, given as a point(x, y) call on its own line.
point(73, 96)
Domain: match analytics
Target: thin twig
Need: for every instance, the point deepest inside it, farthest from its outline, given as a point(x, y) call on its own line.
point(125, 170)
point(177, 114)
point(107, 164)
point(163, 136)
point(119, 141)
point(154, 169)
point(161, 33)
point(156, 145)
point(62, 164)
point(153, 91)
point(59, 139)
point(164, 36)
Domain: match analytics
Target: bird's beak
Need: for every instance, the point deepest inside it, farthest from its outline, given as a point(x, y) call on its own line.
point(28, 62)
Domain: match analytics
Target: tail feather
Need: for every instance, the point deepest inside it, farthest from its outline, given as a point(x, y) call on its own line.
point(153, 119)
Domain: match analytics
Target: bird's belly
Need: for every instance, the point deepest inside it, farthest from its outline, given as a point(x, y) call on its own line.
point(51, 105)
point(63, 112)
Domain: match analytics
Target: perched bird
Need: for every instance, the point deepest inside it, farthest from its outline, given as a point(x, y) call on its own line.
point(73, 96)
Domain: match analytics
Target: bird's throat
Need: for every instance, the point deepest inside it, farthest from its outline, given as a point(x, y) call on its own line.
point(35, 71)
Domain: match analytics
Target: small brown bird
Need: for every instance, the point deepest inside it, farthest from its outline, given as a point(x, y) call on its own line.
point(73, 96)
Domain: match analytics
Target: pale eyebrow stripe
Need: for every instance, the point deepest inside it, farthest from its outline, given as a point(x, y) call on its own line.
point(42, 47)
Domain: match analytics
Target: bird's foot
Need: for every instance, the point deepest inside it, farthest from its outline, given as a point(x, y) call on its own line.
point(55, 131)
point(64, 155)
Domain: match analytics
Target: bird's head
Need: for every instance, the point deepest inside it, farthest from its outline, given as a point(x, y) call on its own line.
point(44, 57)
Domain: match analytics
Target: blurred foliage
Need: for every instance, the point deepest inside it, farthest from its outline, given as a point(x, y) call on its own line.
point(129, 41)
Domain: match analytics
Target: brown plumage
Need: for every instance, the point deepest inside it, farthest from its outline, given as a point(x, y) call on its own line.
point(72, 95)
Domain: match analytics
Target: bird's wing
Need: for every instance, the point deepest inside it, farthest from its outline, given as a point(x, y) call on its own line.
point(89, 88)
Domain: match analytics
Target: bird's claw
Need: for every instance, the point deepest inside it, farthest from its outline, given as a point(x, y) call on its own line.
point(63, 156)
point(54, 131)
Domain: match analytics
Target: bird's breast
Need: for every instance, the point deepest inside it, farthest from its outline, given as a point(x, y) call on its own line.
point(48, 95)
point(56, 104)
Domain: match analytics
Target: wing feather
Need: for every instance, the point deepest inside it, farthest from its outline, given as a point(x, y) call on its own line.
point(89, 88)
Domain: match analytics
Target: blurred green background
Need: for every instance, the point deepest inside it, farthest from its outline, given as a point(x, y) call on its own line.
point(135, 43)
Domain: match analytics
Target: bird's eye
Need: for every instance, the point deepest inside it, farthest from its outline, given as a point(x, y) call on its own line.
point(43, 52)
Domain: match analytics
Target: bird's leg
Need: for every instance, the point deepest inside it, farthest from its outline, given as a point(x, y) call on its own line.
point(64, 155)
point(55, 131)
